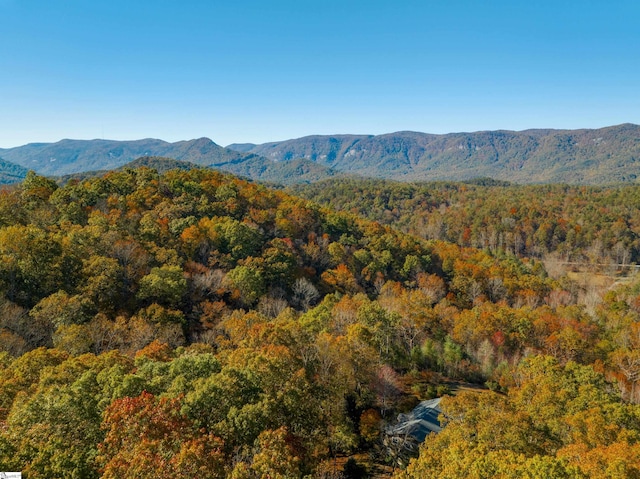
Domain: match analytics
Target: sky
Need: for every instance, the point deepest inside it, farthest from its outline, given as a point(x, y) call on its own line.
point(257, 71)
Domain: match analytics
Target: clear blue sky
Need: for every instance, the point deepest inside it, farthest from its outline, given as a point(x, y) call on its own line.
point(257, 71)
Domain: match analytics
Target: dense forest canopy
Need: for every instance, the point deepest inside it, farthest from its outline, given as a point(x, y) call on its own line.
point(196, 325)
point(583, 224)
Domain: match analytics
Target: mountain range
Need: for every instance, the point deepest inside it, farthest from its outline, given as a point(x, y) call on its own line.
point(74, 156)
point(605, 155)
point(594, 156)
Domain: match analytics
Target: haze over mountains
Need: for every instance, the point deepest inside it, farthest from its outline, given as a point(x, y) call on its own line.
point(598, 156)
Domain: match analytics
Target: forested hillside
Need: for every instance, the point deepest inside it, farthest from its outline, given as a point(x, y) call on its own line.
point(191, 324)
point(10, 172)
point(574, 224)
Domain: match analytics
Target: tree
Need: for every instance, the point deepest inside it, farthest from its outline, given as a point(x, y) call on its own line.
point(341, 279)
point(165, 285)
point(35, 189)
point(24, 372)
point(147, 437)
point(101, 286)
point(73, 338)
point(60, 309)
point(56, 430)
point(249, 282)
point(30, 264)
point(305, 293)
point(274, 457)
point(628, 361)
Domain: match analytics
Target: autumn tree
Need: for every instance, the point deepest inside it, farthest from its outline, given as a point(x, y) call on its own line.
point(149, 437)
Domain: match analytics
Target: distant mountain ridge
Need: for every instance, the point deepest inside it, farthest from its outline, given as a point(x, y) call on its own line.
point(605, 155)
point(74, 156)
point(83, 158)
point(597, 156)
